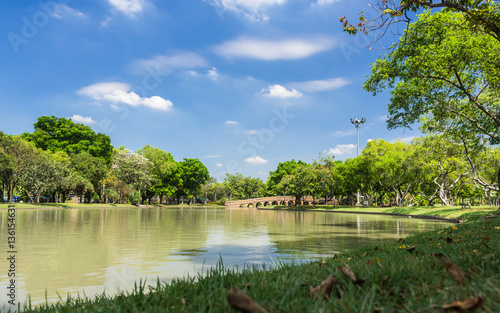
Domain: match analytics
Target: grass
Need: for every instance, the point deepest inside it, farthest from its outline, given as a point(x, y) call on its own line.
point(440, 211)
point(67, 205)
point(396, 279)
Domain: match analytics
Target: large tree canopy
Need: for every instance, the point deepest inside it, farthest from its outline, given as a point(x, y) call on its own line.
point(478, 13)
point(443, 75)
point(61, 134)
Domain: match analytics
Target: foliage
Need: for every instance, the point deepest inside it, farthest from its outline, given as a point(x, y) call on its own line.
point(165, 171)
point(444, 75)
point(483, 14)
point(61, 134)
point(241, 187)
point(275, 177)
point(194, 174)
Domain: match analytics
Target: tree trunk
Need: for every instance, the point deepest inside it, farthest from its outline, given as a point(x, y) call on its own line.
point(498, 185)
point(11, 190)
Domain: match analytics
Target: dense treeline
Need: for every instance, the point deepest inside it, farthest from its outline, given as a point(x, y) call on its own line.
point(62, 159)
point(430, 170)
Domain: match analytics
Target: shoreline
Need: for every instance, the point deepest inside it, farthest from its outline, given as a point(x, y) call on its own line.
point(406, 275)
point(441, 218)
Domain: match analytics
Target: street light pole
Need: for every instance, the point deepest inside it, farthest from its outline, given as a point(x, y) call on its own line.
point(357, 122)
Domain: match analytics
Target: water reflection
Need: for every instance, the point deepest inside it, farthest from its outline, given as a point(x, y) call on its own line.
point(92, 250)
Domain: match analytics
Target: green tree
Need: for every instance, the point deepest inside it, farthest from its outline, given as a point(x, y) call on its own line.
point(18, 157)
point(241, 187)
point(393, 166)
point(166, 176)
point(194, 175)
point(482, 13)
point(275, 177)
point(61, 134)
point(445, 76)
point(132, 169)
point(41, 176)
point(91, 168)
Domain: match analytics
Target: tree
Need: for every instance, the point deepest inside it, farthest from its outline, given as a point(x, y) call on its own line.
point(19, 156)
point(394, 167)
point(241, 187)
point(165, 172)
point(482, 13)
point(194, 175)
point(41, 176)
point(132, 169)
point(445, 76)
point(91, 168)
point(302, 182)
point(284, 169)
point(445, 161)
point(61, 134)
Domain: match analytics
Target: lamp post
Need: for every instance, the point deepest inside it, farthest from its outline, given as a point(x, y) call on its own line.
point(357, 122)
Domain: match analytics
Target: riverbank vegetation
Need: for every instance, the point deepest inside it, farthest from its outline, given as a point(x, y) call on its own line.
point(456, 269)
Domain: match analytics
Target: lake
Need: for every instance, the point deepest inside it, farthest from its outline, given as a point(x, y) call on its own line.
point(76, 251)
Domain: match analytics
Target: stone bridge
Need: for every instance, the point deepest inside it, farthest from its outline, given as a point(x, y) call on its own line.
point(275, 200)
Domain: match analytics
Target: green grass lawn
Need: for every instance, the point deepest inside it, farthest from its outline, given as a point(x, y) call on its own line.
point(441, 211)
point(66, 205)
point(411, 274)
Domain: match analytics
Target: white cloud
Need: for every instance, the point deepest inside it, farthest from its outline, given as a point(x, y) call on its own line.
point(254, 10)
point(323, 2)
point(341, 133)
point(341, 149)
point(321, 85)
point(231, 122)
point(107, 19)
point(405, 139)
point(168, 63)
point(219, 164)
point(211, 156)
point(252, 132)
point(116, 92)
point(129, 7)
point(269, 50)
point(382, 118)
point(256, 160)
point(84, 120)
point(278, 91)
point(61, 10)
point(212, 73)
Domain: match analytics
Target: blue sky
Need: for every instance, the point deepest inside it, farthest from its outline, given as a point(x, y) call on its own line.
point(240, 84)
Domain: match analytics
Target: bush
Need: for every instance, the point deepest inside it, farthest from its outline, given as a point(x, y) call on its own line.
point(134, 197)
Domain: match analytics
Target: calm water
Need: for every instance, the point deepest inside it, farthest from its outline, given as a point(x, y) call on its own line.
point(92, 250)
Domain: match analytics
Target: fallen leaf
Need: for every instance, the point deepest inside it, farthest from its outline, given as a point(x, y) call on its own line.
point(455, 271)
point(486, 237)
point(412, 248)
point(449, 240)
point(402, 247)
point(349, 274)
point(497, 227)
point(242, 302)
point(468, 305)
point(454, 227)
point(324, 289)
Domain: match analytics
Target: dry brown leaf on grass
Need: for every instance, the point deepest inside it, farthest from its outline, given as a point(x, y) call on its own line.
point(455, 271)
point(468, 305)
point(242, 302)
point(349, 274)
point(325, 288)
point(412, 248)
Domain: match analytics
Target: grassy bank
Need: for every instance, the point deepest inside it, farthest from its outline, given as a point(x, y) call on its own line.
point(407, 275)
point(93, 205)
point(441, 211)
